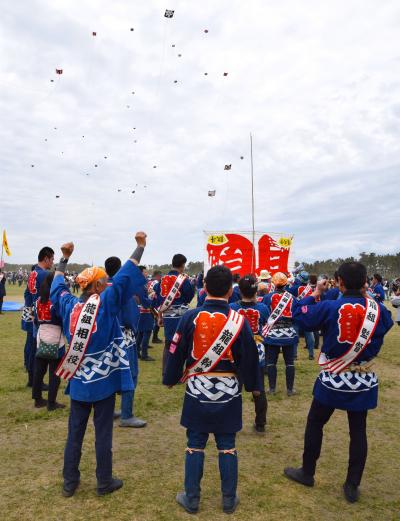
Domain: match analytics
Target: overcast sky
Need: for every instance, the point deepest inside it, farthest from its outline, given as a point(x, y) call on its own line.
point(317, 84)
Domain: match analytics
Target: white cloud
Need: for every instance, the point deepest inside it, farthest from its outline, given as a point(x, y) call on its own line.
point(315, 82)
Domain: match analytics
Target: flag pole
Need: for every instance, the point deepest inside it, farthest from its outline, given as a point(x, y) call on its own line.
point(252, 199)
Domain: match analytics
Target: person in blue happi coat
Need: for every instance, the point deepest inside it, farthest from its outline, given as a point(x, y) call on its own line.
point(213, 399)
point(180, 304)
point(256, 314)
point(353, 389)
point(128, 319)
point(104, 369)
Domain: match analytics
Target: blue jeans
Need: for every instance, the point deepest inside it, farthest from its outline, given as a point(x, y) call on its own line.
point(143, 339)
point(194, 462)
point(103, 425)
point(127, 397)
point(309, 338)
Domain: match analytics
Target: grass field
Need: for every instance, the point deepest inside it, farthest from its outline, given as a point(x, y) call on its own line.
point(150, 460)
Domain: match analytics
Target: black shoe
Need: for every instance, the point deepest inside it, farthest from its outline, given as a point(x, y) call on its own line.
point(310, 357)
point(259, 428)
point(156, 341)
point(112, 487)
point(291, 392)
point(351, 492)
point(40, 403)
point(55, 405)
point(45, 387)
point(191, 506)
point(68, 491)
point(148, 359)
point(299, 476)
point(229, 504)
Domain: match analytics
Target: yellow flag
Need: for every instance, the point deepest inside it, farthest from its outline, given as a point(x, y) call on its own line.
point(5, 244)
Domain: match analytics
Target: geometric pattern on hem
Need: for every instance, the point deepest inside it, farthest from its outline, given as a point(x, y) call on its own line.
point(217, 389)
point(349, 381)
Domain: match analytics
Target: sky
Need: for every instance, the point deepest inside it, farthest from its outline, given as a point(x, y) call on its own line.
point(317, 84)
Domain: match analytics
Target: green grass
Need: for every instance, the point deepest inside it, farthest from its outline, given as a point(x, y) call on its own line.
point(150, 460)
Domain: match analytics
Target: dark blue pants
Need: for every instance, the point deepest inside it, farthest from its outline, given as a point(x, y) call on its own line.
point(272, 353)
point(27, 349)
point(103, 425)
point(228, 463)
point(31, 359)
point(142, 340)
point(318, 416)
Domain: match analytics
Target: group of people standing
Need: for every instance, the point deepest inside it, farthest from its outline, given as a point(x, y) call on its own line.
point(228, 342)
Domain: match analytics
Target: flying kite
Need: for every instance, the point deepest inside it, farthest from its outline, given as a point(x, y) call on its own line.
point(32, 166)
point(52, 81)
point(119, 189)
point(173, 45)
point(59, 71)
point(131, 28)
point(155, 166)
point(225, 74)
point(241, 157)
point(133, 191)
point(57, 197)
point(169, 13)
point(206, 30)
point(206, 74)
point(95, 166)
point(179, 55)
point(211, 193)
point(175, 81)
point(94, 33)
point(227, 167)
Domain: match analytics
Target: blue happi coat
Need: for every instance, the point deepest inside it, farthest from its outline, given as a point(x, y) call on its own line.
point(31, 294)
point(340, 321)
point(105, 367)
point(212, 403)
point(256, 314)
point(283, 332)
point(179, 305)
point(146, 318)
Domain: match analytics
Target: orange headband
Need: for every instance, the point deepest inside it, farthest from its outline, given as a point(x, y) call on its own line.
point(90, 275)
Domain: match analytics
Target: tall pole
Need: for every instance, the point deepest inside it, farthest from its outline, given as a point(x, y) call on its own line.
point(252, 199)
point(2, 248)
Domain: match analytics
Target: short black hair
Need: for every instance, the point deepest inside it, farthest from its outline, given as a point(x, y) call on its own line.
point(178, 260)
point(236, 277)
point(112, 265)
point(44, 290)
point(353, 275)
point(336, 275)
point(378, 277)
point(248, 286)
point(312, 279)
point(142, 268)
point(45, 252)
point(218, 281)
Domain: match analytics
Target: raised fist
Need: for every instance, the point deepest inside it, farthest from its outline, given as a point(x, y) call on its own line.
point(140, 238)
point(67, 249)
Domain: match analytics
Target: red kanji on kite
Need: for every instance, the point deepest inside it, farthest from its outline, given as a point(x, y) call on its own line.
point(59, 71)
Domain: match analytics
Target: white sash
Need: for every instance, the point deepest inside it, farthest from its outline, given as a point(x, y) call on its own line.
point(221, 345)
point(371, 319)
point(284, 302)
point(80, 339)
point(304, 292)
point(180, 279)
